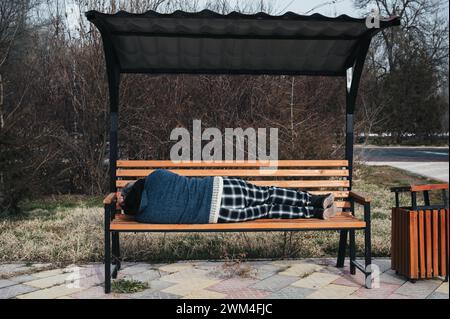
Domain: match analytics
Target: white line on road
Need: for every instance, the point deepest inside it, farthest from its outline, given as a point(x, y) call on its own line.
point(435, 153)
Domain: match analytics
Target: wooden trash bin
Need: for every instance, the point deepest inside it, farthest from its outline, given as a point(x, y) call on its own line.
point(420, 234)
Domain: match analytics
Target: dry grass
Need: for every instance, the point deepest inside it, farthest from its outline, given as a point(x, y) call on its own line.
point(65, 233)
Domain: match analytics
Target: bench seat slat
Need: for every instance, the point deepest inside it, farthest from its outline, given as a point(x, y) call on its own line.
point(280, 163)
point(239, 172)
point(339, 222)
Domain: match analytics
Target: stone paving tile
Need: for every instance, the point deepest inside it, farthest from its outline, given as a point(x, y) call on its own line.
point(266, 271)
point(332, 270)
point(291, 292)
point(145, 276)
point(316, 280)
point(383, 264)
point(390, 278)
point(443, 288)
point(160, 284)
point(90, 271)
point(210, 266)
point(290, 262)
point(274, 283)
point(347, 279)
point(22, 278)
point(90, 281)
point(135, 269)
point(332, 291)
point(13, 291)
point(384, 291)
point(231, 284)
point(49, 281)
point(48, 273)
point(438, 295)
point(176, 267)
point(10, 267)
point(247, 293)
point(50, 293)
point(300, 270)
point(95, 292)
point(397, 296)
point(327, 262)
point(200, 278)
point(20, 268)
point(187, 286)
point(189, 274)
point(420, 289)
point(204, 294)
point(6, 283)
point(154, 294)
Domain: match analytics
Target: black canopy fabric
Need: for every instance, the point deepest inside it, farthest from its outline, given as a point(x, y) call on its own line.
point(208, 42)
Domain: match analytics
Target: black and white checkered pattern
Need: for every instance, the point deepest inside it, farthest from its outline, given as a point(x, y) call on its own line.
point(243, 201)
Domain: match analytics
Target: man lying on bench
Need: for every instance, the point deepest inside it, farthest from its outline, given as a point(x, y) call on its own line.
point(164, 197)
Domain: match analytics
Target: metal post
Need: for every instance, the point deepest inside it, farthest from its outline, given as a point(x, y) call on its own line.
point(352, 244)
point(426, 198)
point(414, 200)
point(368, 242)
point(116, 252)
point(352, 85)
point(352, 251)
point(444, 198)
point(113, 151)
point(107, 249)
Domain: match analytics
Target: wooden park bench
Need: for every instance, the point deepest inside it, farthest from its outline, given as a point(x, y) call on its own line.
point(318, 177)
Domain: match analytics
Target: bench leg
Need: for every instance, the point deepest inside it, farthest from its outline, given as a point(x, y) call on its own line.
point(342, 249)
point(368, 247)
point(115, 253)
point(352, 252)
point(107, 251)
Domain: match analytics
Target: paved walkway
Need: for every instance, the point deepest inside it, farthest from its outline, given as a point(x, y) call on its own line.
point(294, 279)
point(434, 170)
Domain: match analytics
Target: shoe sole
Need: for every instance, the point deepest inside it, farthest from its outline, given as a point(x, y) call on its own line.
point(328, 201)
point(330, 212)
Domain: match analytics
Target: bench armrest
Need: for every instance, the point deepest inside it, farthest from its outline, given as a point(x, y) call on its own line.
point(111, 198)
point(419, 188)
point(359, 198)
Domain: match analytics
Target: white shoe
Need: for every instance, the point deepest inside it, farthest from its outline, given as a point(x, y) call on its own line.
point(330, 212)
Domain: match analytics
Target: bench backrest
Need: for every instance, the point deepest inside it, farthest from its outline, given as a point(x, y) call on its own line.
point(315, 176)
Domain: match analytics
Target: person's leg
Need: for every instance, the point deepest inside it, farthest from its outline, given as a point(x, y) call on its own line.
point(229, 215)
point(259, 195)
point(242, 201)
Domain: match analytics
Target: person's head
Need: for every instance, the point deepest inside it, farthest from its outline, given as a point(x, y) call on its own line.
point(130, 197)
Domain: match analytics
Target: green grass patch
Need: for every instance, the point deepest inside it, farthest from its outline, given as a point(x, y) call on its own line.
point(123, 286)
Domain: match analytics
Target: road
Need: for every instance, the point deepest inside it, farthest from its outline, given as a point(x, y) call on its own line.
point(402, 154)
point(432, 162)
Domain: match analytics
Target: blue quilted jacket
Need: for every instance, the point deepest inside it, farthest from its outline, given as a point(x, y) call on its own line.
point(169, 198)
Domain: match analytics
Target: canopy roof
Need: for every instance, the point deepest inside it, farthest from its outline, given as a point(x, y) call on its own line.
point(207, 42)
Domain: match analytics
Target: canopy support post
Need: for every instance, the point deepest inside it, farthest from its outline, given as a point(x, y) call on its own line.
point(352, 86)
point(113, 83)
